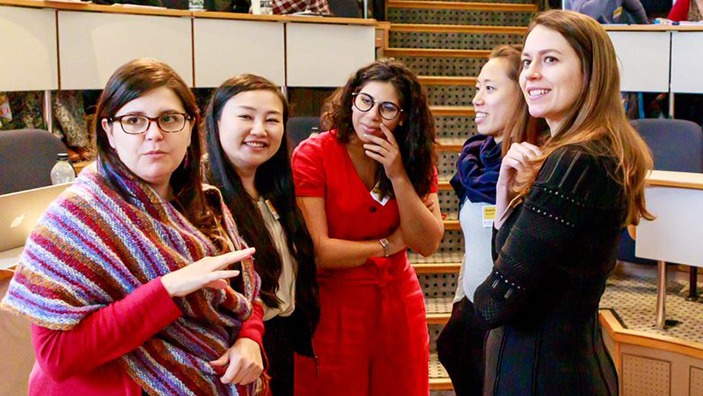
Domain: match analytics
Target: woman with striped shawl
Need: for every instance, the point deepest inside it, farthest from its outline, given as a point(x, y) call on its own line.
point(128, 278)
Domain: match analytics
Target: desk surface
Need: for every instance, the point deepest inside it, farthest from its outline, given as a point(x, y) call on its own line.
point(675, 179)
point(10, 258)
point(654, 28)
point(159, 11)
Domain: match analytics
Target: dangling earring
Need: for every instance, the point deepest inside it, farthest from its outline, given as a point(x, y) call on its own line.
point(186, 160)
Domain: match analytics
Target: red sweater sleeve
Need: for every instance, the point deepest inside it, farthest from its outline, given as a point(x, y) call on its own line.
point(679, 12)
point(106, 334)
point(253, 328)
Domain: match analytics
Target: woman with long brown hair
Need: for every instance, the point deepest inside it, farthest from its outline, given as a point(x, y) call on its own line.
point(501, 118)
point(560, 210)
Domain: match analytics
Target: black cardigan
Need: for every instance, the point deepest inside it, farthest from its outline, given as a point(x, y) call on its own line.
point(552, 257)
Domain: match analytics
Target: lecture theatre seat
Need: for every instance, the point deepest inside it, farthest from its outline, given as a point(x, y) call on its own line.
point(677, 145)
point(26, 158)
point(298, 129)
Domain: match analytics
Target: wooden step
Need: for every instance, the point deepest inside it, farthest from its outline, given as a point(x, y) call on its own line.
point(438, 263)
point(439, 111)
point(447, 268)
point(447, 80)
point(443, 184)
point(452, 224)
point(443, 28)
point(439, 309)
point(435, 53)
point(439, 379)
point(450, 144)
point(454, 5)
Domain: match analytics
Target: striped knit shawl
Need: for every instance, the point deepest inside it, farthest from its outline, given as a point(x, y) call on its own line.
point(93, 247)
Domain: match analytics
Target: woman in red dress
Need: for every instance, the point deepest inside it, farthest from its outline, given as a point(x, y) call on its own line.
point(368, 192)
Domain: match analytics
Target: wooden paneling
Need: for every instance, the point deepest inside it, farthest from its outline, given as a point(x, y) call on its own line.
point(224, 48)
point(29, 54)
point(644, 60)
point(93, 45)
point(326, 55)
point(687, 62)
point(675, 234)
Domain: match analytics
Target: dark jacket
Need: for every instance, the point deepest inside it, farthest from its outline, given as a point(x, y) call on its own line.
point(552, 257)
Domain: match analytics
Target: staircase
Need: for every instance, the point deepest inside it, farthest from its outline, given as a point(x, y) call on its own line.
point(446, 43)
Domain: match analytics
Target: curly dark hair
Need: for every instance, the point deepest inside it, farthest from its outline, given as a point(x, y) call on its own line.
point(274, 181)
point(415, 135)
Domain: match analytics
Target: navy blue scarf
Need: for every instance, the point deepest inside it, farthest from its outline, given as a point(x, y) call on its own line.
point(477, 170)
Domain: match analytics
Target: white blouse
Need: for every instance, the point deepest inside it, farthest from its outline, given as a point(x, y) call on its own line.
point(286, 281)
point(478, 262)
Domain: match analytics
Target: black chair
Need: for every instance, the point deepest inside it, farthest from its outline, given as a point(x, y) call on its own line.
point(299, 128)
point(345, 8)
point(677, 145)
point(26, 159)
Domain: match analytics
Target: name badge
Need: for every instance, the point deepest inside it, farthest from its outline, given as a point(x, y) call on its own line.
point(488, 214)
point(376, 195)
point(272, 210)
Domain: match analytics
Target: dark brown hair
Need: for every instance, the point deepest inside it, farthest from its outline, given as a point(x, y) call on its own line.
point(598, 114)
point(274, 181)
point(131, 81)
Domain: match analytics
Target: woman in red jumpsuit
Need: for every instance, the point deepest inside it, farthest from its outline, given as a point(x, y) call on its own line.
point(368, 191)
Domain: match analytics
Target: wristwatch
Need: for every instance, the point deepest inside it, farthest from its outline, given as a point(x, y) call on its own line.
point(386, 246)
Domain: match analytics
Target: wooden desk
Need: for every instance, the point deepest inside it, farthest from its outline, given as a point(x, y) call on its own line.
point(29, 40)
point(676, 235)
point(659, 58)
point(643, 68)
point(92, 45)
point(687, 61)
point(74, 46)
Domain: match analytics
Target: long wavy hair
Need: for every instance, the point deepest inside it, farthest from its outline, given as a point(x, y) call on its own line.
point(521, 127)
point(597, 120)
point(274, 181)
point(133, 80)
point(415, 135)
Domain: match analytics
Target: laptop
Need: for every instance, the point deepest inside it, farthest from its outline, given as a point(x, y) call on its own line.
point(19, 213)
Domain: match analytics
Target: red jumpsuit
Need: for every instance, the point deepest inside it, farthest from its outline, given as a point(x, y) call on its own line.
point(372, 337)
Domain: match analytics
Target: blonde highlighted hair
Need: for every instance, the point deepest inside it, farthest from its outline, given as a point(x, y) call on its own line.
point(598, 114)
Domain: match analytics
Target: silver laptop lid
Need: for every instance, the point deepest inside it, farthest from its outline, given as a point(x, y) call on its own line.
point(20, 211)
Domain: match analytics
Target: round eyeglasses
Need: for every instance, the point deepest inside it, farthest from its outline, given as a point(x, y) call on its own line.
point(136, 124)
point(365, 102)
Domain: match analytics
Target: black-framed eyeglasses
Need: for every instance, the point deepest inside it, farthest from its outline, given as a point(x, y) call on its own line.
point(365, 102)
point(136, 124)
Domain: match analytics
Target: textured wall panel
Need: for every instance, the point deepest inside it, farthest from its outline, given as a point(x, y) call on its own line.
point(643, 376)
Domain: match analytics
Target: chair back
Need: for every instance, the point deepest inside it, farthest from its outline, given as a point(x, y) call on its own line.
point(677, 145)
point(298, 129)
point(26, 159)
point(15, 347)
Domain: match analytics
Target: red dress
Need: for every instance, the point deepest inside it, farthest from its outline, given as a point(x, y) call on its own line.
point(372, 338)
